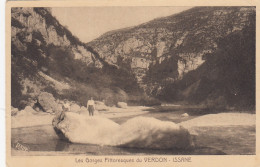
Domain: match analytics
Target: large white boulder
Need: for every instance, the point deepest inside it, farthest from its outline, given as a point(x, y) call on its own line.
point(221, 119)
point(83, 110)
point(121, 105)
point(184, 115)
point(138, 132)
point(48, 103)
point(75, 108)
point(100, 106)
point(78, 128)
point(14, 111)
point(28, 110)
point(148, 132)
point(28, 117)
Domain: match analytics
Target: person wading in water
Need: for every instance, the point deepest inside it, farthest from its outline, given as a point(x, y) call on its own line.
point(91, 106)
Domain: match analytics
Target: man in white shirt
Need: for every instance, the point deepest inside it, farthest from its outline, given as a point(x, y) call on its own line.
point(91, 106)
point(66, 105)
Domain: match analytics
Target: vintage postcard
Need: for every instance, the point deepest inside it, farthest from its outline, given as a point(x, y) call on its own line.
point(132, 83)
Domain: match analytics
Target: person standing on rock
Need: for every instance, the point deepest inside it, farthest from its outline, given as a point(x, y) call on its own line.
point(66, 105)
point(91, 106)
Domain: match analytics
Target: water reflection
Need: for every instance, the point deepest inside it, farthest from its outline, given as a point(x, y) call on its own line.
point(109, 150)
point(211, 141)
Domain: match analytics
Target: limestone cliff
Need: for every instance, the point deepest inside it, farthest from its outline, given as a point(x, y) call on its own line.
point(163, 50)
point(47, 57)
point(204, 56)
point(38, 26)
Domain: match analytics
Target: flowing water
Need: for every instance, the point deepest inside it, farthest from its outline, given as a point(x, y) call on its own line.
point(220, 140)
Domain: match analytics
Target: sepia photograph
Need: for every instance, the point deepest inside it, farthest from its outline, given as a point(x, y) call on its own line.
point(133, 81)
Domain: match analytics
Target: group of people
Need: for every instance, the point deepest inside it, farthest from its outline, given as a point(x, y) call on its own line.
point(90, 106)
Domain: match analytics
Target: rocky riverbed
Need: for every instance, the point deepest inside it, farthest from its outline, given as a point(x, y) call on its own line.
point(222, 133)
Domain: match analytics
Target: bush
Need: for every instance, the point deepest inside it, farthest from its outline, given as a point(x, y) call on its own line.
point(16, 23)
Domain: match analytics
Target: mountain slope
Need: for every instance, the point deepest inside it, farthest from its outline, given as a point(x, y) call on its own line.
point(203, 56)
point(47, 57)
point(165, 52)
point(227, 78)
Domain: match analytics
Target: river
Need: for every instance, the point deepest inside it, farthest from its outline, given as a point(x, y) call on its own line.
point(219, 140)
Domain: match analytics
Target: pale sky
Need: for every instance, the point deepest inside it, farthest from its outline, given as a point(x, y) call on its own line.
point(88, 23)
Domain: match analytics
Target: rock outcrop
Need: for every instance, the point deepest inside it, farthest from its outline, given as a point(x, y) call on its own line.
point(43, 49)
point(14, 111)
point(27, 111)
point(182, 57)
point(138, 132)
point(47, 57)
point(39, 26)
point(100, 106)
point(48, 102)
point(163, 50)
point(121, 105)
point(75, 108)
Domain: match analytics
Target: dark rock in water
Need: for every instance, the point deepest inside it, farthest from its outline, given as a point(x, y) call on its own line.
point(55, 122)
